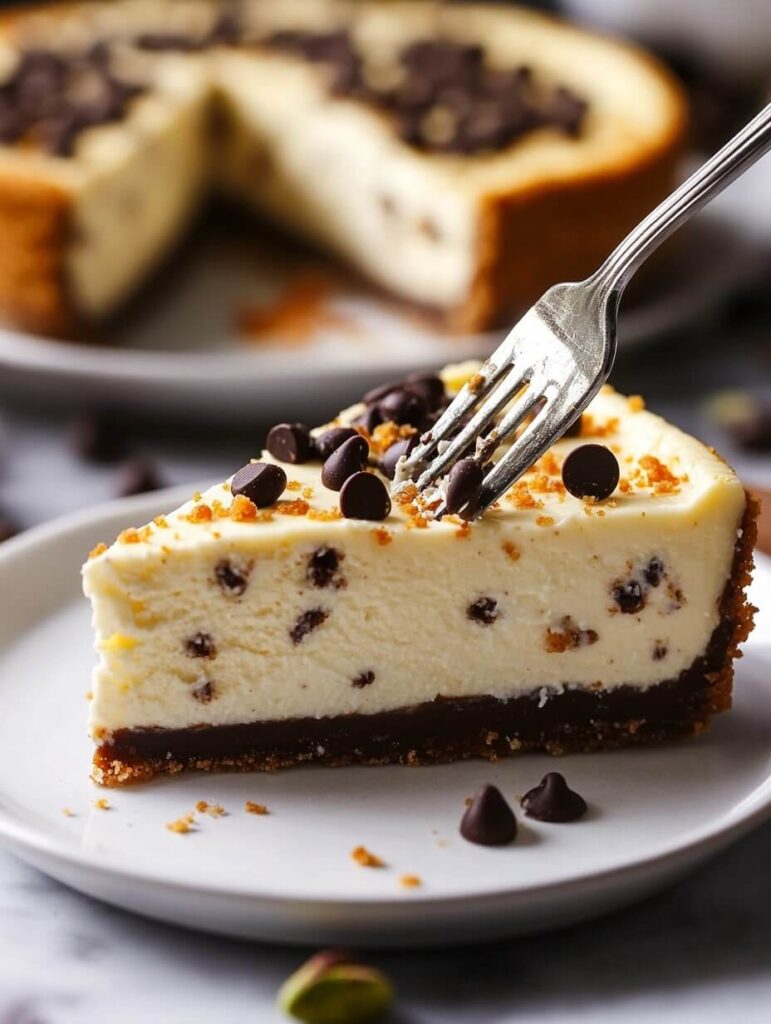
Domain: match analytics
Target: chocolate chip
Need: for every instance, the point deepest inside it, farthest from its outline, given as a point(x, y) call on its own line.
point(591, 471)
point(489, 821)
point(374, 395)
point(428, 386)
point(306, 623)
point(392, 454)
point(97, 439)
point(629, 596)
point(553, 800)
point(290, 442)
point(322, 567)
point(463, 485)
point(484, 611)
point(260, 482)
point(231, 578)
point(138, 476)
point(654, 572)
point(660, 651)
point(369, 419)
point(402, 406)
point(364, 496)
point(349, 458)
point(364, 679)
point(200, 645)
point(204, 693)
point(160, 41)
point(331, 440)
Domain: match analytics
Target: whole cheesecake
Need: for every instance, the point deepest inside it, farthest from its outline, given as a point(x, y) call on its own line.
point(300, 612)
point(463, 157)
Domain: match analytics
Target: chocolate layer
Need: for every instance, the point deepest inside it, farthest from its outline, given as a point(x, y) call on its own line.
point(448, 729)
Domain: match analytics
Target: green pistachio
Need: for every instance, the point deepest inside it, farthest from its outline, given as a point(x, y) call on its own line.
point(329, 989)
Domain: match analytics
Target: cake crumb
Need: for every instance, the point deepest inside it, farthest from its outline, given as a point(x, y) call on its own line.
point(102, 804)
point(254, 808)
point(182, 825)
point(68, 812)
point(213, 810)
point(410, 881)
point(366, 859)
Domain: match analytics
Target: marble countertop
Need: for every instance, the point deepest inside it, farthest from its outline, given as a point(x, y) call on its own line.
point(700, 951)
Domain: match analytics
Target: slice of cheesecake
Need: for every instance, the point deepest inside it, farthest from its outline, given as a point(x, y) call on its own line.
point(463, 157)
point(298, 613)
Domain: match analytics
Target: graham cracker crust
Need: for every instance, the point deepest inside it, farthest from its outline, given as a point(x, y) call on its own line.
point(447, 729)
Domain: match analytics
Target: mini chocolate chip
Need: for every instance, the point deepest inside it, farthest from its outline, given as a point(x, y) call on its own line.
point(364, 679)
point(138, 476)
point(402, 407)
point(428, 386)
point(331, 440)
point(489, 821)
point(349, 458)
point(204, 693)
point(660, 651)
point(290, 442)
point(322, 566)
point(654, 572)
point(484, 611)
point(306, 623)
point(463, 485)
point(261, 482)
point(200, 645)
point(553, 800)
point(232, 580)
point(392, 454)
point(629, 596)
point(591, 471)
point(364, 496)
point(97, 439)
point(369, 419)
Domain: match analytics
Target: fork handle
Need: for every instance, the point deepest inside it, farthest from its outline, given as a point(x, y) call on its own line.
point(695, 192)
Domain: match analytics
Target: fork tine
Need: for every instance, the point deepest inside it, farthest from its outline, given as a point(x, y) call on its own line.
point(507, 390)
point(465, 400)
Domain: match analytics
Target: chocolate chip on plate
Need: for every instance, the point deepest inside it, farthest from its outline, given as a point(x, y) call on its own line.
point(349, 458)
point(463, 485)
point(138, 476)
point(489, 821)
point(290, 442)
point(553, 800)
point(261, 482)
point(392, 455)
point(364, 496)
point(331, 440)
point(591, 471)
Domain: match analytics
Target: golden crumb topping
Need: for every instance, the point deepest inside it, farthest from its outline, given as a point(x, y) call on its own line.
point(201, 513)
point(132, 536)
point(298, 507)
point(243, 509)
point(95, 552)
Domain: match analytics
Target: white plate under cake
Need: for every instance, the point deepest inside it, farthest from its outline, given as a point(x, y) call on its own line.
point(297, 613)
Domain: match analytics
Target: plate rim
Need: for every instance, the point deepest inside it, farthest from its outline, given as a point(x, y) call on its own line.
point(691, 847)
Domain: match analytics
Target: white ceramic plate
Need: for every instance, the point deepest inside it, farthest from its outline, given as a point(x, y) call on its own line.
point(176, 350)
point(288, 877)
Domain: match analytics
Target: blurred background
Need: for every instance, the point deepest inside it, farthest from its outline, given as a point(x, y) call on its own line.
point(145, 406)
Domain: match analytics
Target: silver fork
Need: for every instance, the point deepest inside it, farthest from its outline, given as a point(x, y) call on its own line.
point(562, 350)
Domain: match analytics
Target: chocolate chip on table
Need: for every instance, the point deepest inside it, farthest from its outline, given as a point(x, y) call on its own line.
point(323, 566)
point(484, 611)
point(402, 407)
point(629, 596)
point(260, 482)
point(290, 442)
point(200, 645)
point(364, 679)
point(306, 623)
point(364, 496)
point(331, 440)
point(554, 801)
point(591, 471)
point(97, 438)
point(489, 821)
point(349, 458)
point(392, 454)
point(463, 485)
point(138, 476)
point(233, 579)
